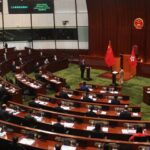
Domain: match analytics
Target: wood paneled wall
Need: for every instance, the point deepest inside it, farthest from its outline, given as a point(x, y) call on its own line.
point(113, 20)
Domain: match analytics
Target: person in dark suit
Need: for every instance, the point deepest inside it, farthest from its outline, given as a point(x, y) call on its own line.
point(58, 127)
point(14, 145)
point(59, 108)
point(63, 93)
point(115, 100)
point(86, 97)
point(97, 131)
point(125, 114)
point(30, 120)
point(139, 133)
point(82, 68)
point(91, 113)
point(38, 76)
point(4, 94)
point(84, 87)
point(4, 115)
point(58, 147)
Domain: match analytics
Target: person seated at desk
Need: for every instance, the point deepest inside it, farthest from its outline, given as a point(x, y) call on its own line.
point(115, 100)
point(4, 115)
point(38, 76)
point(58, 127)
point(14, 145)
point(86, 97)
point(4, 94)
point(30, 120)
point(57, 147)
point(125, 114)
point(63, 93)
point(59, 108)
point(91, 112)
point(97, 131)
point(84, 87)
point(139, 133)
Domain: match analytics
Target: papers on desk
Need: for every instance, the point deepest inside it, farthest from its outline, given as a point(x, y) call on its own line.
point(55, 81)
point(65, 107)
point(69, 95)
point(27, 141)
point(2, 134)
point(81, 98)
point(52, 123)
point(103, 112)
point(16, 113)
point(147, 92)
point(109, 101)
point(95, 111)
point(12, 111)
point(39, 119)
point(34, 86)
point(105, 129)
point(135, 114)
point(90, 128)
point(69, 125)
point(94, 99)
point(114, 92)
point(127, 131)
point(91, 96)
point(102, 91)
point(41, 102)
point(65, 147)
point(90, 89)
point(45, 76)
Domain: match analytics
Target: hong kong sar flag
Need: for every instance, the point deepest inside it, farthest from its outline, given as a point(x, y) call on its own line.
point(133, 61)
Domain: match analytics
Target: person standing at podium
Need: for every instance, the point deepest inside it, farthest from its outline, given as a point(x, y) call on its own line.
point(82, 68)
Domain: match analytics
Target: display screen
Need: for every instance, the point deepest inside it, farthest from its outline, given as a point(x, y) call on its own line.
point(30, 6)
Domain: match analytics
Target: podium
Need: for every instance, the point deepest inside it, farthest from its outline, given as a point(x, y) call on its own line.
point(129, 71)
point(114, 73)
point(88, 73)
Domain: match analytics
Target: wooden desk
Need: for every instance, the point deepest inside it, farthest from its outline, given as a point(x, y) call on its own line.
point(83, 109)
point(78, 96)
point(56, 82)
point(83, 129)
point(47, 140)
point(31, 84)
point(14, 91)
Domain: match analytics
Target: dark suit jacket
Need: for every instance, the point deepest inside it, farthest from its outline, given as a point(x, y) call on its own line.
point(16, 146)
point(4, 115)
point(59, 109)
point(87, 99)
point(63, 95)
point(30, 121)
point(125, 115)
point(115, 102)
point(91, 114)
point(59, 128)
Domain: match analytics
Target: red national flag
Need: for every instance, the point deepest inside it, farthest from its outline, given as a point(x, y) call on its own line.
point(133, 61)
point(109, 57)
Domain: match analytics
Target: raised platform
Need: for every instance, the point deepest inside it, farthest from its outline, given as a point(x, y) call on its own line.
point(108, 75)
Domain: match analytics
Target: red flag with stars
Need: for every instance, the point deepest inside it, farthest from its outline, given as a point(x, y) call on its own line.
point(109, 57)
